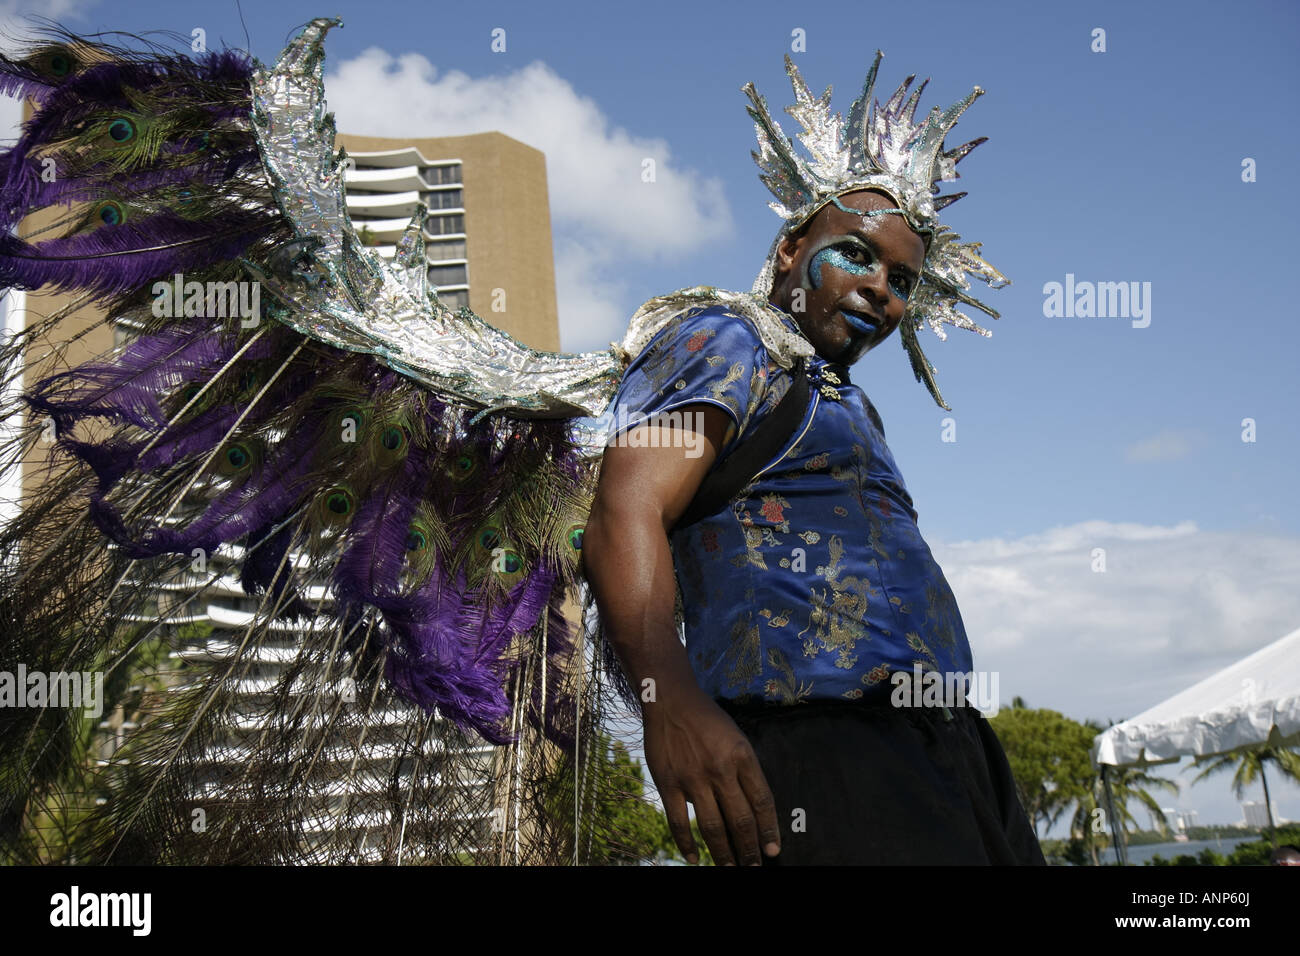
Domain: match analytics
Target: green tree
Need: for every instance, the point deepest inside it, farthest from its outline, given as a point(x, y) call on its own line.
point(1254, 853)
point(1259, 852)
point(633, 820)
point(620, 826)
point(56, 810)
point(1048, 754)
point(1049, 757)
point(1089, 835)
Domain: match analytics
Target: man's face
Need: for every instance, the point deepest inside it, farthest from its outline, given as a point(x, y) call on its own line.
point(851, 276)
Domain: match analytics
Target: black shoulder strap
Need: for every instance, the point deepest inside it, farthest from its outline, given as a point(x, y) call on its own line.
point(757, 448)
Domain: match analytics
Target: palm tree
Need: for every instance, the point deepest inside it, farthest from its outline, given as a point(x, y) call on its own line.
point(1086, 807)
point(1081, 824)
point(1249, 764)
point(1134, 783)
point(1126, 784)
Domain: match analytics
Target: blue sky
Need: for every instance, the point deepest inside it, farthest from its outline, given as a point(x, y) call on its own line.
point(1072, 433)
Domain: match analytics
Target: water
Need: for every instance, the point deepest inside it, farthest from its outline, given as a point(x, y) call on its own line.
point(1138, 855)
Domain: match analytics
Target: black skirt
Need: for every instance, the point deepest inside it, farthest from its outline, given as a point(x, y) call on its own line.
point(868, 783)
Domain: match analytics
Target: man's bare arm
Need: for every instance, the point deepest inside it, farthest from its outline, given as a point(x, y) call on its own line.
point(694, 750)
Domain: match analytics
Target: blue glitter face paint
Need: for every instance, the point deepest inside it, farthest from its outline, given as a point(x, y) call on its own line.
point(865, 213)
point(855, 257)
point(836, 257)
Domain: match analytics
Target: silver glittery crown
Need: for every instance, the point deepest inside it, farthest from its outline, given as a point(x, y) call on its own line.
point(878, 148)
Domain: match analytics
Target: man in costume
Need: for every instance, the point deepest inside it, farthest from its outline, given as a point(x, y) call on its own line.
point(803, 593)
point(405, 481)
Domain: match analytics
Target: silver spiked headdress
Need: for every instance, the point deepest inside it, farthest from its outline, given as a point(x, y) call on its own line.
point(878, 148)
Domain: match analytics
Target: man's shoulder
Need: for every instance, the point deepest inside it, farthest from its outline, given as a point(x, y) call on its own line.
point(717, 326)
point(740, 319)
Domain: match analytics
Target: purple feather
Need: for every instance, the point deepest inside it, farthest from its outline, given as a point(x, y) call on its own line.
point(129, 386)
point(448, 644)
point(113, 260)
point(25, 189)
point(270, 491)
point(370, 569)
point(96, 89)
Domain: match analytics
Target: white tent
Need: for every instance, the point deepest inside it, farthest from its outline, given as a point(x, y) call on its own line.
point(1249, 703)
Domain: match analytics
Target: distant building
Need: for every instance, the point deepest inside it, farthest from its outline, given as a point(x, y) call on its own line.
point(1256, 813)
point(1177, 820)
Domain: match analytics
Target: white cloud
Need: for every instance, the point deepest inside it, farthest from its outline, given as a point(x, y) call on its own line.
point(16, 15)
point(602, 211)
point(1173, 605)
point(1165, 446)
point(589, 294)
point(1070, 538)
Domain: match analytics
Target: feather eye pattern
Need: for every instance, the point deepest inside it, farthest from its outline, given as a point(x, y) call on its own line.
point(395, 670)
point(159, 155)
point(40, 72)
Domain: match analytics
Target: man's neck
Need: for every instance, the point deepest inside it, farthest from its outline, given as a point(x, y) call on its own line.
point(791, 321)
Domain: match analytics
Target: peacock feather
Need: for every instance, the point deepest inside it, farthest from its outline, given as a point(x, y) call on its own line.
point(400, 535)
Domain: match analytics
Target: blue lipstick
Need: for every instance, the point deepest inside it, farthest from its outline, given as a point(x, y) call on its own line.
point(862, 325)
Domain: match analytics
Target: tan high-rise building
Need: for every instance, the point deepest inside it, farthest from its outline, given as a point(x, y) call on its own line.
point(488, 233)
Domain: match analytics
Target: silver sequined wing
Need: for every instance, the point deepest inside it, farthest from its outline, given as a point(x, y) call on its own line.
point(329, 286)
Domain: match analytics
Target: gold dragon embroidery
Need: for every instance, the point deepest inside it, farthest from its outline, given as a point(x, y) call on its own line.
point(838, 625)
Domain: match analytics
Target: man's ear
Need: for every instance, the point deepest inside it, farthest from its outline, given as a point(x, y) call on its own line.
point(786, 253)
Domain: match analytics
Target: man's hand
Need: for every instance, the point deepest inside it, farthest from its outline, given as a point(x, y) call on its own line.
point(697, 754)
point(694, 750)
